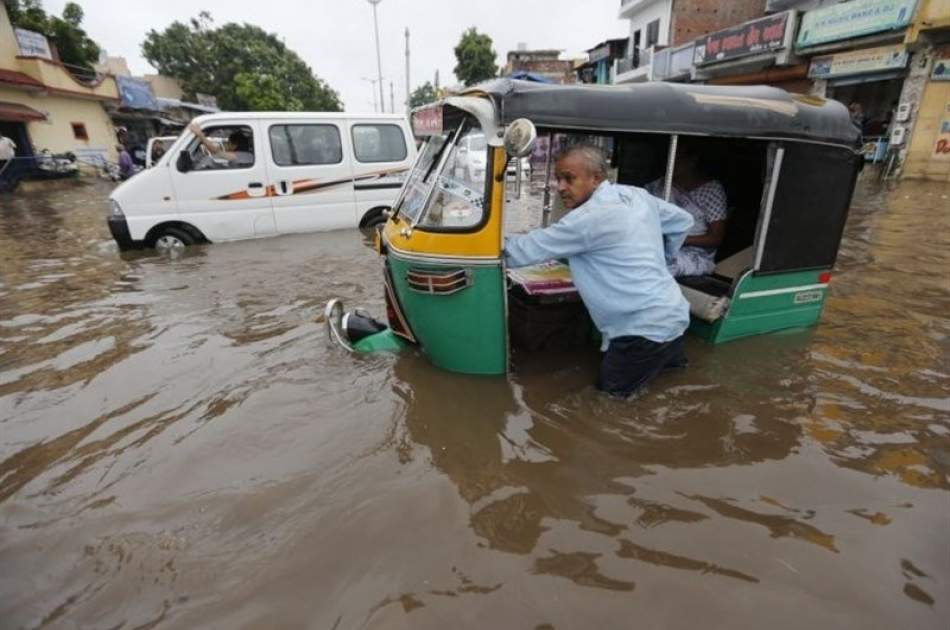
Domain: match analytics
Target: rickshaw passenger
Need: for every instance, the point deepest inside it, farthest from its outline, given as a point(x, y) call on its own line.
point(705, 199)
point(618, 241)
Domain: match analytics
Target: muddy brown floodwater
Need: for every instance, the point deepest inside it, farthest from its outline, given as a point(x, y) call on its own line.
point(180, 447)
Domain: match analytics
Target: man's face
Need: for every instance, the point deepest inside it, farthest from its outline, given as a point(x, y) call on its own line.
point(575, 182)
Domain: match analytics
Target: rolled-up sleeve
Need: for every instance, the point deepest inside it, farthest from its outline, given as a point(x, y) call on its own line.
point(675, 224)
point(560, 240)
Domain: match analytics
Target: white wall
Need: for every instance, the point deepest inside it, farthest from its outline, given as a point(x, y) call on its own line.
point(653, 11)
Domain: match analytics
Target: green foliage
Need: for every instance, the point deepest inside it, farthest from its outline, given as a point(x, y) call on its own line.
point(476, 59)
point(422, 95)
point(66, 33)
point(245, 67)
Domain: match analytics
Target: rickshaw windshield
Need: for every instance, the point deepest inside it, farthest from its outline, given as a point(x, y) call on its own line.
point(418, 183)
point(446, 189)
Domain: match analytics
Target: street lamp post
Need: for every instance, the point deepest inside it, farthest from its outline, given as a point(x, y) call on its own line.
point(379, 63)
point(373, 92)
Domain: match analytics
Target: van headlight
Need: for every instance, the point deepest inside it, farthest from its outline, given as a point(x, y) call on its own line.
point(115, 210)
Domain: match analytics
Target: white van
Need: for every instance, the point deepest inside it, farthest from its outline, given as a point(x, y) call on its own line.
point(296, 172)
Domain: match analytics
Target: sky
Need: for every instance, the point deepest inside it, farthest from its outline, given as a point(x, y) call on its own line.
point(335, 37)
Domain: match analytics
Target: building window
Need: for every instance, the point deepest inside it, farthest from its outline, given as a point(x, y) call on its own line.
point(79, 131)
point(653, 33)
point(636, 39)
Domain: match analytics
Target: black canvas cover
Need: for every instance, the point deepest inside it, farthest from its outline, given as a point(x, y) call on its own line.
point(737, 111)
point(810, 207)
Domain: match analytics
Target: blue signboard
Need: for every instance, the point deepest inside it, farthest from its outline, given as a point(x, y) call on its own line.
point(136, 94)
point(853, 19)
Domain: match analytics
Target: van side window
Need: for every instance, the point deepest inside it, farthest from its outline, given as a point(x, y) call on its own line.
point(379, 143)
point(232, 147)
point(298, 145)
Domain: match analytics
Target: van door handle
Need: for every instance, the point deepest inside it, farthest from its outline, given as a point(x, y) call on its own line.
point(256, 189)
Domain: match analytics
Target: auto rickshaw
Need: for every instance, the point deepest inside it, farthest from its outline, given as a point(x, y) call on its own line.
point(788, 164)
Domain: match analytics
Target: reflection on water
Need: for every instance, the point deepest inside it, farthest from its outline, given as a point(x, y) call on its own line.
point(182, 448)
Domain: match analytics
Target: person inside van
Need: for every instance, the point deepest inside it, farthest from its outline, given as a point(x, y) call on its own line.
point(705, 199)
point(238, 151)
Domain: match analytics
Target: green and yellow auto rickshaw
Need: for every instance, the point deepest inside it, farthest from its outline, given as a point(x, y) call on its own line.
point(787, 162)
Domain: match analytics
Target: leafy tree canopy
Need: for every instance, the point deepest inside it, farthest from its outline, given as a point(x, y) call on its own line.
point(66, 33)
point(245, 67)
point(422, 95)
point(476, 59)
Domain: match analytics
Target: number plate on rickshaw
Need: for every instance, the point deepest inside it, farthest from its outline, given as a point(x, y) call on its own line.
point(808, 297)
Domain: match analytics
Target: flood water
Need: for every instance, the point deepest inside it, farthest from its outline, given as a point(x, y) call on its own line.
point(181, 447)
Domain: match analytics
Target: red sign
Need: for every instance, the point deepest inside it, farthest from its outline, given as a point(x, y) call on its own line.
point(762, 35)
point(427, 121)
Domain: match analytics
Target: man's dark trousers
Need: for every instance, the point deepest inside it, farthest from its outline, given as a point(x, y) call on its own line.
point(631, 361)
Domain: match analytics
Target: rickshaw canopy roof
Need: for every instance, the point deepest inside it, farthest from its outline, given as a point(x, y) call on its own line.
point(657, 107)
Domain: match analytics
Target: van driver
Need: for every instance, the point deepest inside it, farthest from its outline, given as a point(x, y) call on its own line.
point(238, 151)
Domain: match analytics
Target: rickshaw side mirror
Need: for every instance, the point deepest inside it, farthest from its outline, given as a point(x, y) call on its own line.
point(520, 138)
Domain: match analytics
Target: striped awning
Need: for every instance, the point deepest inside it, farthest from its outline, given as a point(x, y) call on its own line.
point(14, 112)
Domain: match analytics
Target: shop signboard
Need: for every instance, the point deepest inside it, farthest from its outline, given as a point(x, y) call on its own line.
point(599, 53)
point(942, 144)
point(941, 71)
point(206, 100)
point(136, 94)
point(879, 59)
point(749, 38)
point(853, 19)
point(32, 44)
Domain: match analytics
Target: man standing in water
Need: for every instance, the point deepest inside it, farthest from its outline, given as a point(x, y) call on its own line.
point(618, 240)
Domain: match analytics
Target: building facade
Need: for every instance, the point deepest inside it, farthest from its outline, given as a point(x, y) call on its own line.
point(44, 106)
point(599, 67)
point(927, 153)
point(656, 25)
point(546, 64)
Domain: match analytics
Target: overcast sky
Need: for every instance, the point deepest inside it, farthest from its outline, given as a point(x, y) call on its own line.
point(335, 37)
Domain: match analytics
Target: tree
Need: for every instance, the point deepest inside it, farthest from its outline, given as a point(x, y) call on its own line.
point(74, 46)
point(422, 95)
point(245, 67)
point(476, 59)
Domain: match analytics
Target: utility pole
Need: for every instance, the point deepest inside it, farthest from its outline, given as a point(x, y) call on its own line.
point(408, 92)
point(373, 92)
point(392, 98)
point(379, 63)
point(436, 82)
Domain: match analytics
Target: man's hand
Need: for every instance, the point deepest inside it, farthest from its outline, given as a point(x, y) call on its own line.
point(195, 129)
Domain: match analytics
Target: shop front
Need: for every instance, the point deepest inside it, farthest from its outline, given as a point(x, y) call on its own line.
point(869, 81)
point(857, 55)
point(928, 153)
point(757, 52)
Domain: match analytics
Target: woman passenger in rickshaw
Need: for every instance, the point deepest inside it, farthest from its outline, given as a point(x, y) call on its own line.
point(705, 199)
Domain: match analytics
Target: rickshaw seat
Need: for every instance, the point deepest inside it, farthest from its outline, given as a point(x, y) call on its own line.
point(734, 265)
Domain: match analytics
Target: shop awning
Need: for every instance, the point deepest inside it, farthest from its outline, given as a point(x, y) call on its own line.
point(868, 78)
point(14, 112)
point(20, 80)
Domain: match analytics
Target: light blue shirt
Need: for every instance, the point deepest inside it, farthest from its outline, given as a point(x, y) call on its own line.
point(618, 244)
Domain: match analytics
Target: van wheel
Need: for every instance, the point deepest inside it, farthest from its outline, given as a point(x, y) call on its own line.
point(173, 240)
point(373, 218)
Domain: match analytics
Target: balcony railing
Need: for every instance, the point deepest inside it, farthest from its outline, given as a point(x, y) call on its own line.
point(639, 59)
